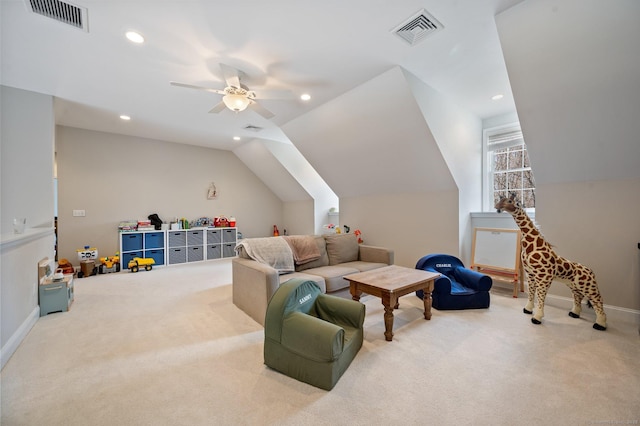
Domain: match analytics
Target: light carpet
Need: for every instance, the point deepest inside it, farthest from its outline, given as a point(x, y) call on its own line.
point(168, 347)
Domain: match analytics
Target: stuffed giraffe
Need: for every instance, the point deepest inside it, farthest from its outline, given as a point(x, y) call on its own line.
point(542, 265)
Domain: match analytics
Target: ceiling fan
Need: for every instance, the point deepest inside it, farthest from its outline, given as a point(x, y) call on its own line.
point(236, 96)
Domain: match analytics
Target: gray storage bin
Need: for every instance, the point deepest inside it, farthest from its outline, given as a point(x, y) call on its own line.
point(228, 235)
point(177, 238)
point(195, 238)
point(177, 255)
point(195, 253)
point(228, 250)
point(214, 236)
point(214, 251)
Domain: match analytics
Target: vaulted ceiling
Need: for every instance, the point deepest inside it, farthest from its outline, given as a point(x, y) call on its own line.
point(324, 49)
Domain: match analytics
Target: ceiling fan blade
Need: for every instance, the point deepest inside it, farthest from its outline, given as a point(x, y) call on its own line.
point(218, 108)
point(274, 94)
point(191, 86)
point(261, 110)
point(231, 75)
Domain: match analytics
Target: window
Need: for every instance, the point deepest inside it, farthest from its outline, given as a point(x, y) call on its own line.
point(507, 168)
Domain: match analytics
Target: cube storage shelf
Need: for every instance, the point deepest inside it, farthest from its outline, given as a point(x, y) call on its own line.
point(171, 247)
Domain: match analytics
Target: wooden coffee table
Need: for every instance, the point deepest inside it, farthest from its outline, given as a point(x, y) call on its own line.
point(389, 284)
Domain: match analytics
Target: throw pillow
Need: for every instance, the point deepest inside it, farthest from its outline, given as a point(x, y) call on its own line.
point(342, 248)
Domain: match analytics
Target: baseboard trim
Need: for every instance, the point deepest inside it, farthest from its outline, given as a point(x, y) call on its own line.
point(14, 341)
point(614, 313)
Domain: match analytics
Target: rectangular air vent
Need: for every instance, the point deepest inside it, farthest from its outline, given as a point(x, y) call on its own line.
point(417, 27)
point(64, 12)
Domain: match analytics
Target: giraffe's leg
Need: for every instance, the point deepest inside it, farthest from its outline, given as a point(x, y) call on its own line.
point(577, 304)
point(531, 284)
point(541, 294)
point(598, 306)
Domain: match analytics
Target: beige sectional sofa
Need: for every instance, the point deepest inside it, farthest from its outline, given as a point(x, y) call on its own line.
point(255, 282)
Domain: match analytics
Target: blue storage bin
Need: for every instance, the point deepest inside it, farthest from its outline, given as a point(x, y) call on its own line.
point(126, 257)
point(156, 255)
point(131, 242)
point(154, 240)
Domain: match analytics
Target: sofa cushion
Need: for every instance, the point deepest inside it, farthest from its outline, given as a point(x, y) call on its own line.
point(322, 261)
point(342, 248)
point(333, 276)
point(363, 266)
point(315, 278)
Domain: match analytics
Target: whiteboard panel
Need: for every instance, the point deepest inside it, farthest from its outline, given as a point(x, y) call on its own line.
point(496, 248)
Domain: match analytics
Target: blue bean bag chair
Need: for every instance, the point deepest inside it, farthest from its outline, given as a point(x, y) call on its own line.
point(458, 287)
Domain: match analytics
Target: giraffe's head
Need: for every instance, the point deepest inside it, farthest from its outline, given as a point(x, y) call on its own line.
point(509, 204)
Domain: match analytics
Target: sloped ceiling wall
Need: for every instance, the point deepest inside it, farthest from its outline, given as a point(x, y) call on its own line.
point(374, 149)
point(259, 159)
point(372, 140)
point(574, 68)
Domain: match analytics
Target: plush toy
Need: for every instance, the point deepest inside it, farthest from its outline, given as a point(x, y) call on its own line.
point(542, 265)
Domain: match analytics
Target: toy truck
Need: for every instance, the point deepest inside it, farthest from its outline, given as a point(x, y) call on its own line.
point(137, 262)
point(109, 264)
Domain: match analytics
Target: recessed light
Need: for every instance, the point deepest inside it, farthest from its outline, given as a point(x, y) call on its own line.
point(134, 37)
point(305, 96)
point(236, 138)
point(125, 117)
point(497, 97)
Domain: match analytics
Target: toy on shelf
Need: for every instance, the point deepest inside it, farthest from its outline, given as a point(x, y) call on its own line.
point(137, 262)
point(87, 253)
point(66, 266)
point(109, 264)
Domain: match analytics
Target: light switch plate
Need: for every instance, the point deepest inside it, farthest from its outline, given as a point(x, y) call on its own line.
point(79, 213)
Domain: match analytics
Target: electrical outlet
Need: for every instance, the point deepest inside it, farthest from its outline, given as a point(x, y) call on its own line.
point(79, 213)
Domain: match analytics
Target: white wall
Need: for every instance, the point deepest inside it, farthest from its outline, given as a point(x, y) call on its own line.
point(576, 86)
point(412, 224)
point(114, 178)
point(574, 67)
point(26, 158)
point(458, 134)
point(298, 218)
point(597, 224)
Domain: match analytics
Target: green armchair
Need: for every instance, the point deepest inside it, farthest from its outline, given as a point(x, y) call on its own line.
point(311, 336)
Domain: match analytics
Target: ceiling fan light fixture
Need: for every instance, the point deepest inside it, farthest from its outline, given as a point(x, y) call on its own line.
point(236, 103)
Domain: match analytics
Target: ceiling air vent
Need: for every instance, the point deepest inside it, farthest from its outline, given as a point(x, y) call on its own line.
point(66, 13)
point(418, 27)
point(253, 128)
